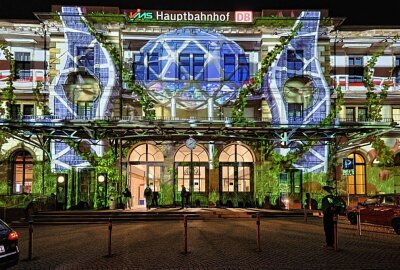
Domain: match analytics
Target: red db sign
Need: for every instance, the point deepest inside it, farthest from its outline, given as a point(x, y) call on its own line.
point(243, 16)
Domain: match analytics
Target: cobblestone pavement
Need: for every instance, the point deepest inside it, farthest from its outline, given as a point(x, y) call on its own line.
point(286, 243)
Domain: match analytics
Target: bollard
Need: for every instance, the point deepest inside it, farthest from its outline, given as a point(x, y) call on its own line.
point(185, 236)
point(335, 234)
point(305, 214)
point(359, 221)
point(109, 236)
point(30, 239)
point(258, 232)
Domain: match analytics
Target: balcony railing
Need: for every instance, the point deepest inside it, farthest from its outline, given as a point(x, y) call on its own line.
point(191, 121)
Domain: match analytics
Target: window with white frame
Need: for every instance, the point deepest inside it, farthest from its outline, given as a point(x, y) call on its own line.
point(356, 69)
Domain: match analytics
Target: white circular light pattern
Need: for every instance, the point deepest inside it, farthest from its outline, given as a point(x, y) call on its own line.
point(175, 79)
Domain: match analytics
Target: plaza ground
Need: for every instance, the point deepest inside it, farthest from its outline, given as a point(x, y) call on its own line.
point(286, 243)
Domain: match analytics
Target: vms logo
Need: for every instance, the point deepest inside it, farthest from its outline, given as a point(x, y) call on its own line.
point(244, 16)
point(139, 15)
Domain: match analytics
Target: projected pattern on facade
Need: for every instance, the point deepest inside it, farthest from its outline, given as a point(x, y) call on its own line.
point(192, 65)
point(297, 92)
point(85, 85)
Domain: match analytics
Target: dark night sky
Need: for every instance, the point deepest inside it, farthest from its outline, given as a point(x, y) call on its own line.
point(359, 13)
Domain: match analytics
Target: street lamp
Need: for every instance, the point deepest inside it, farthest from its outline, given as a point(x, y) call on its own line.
point(102, 188)
point(61, 191)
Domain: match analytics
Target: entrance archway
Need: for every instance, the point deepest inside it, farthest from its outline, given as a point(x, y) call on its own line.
point(22, 172)
point(236, 184)
point(145, 168)
point(191, 168)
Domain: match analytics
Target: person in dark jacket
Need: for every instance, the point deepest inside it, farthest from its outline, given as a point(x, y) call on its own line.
point(310, 203)
point(128, 198)
point(148, 194)
point(155, 199)
point(328, 209)
point(183, 196)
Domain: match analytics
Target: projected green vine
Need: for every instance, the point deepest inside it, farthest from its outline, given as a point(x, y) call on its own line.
point(7, 92)
point(145, 99)
point(256, 82)
point(40, 101)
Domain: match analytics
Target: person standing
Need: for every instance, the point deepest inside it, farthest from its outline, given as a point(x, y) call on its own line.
point(328, 209)
point(148, 194)
point(310, 203)
point(187, 199)
point(183, 196)
point(155, 199)
point(128, 198)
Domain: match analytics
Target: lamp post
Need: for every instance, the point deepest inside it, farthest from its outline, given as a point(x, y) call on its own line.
point(61, 192)
point(102, 187)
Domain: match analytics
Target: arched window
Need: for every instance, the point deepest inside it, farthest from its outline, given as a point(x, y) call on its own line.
point(192, 168)
point(357, 181)
point(145, 168)
point(236, 169)
point(22, 164)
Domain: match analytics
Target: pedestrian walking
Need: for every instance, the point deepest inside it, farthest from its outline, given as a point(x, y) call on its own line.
point(328, 209)
point(148, 194)
point(128, 198)
point(183, 196)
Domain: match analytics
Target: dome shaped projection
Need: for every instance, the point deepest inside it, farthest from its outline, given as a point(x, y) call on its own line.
point(192, 65)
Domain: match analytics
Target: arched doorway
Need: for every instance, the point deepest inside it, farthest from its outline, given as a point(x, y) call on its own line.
point(145, 168)
point(236, 166)
point(191, 169)
point(22, 172)
point(356, 183)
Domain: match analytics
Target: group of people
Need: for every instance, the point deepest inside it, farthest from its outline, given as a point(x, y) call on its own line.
point(150, 196)
point(185, 197)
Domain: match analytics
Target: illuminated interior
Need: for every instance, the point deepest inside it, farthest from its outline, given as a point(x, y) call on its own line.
point(236, 164)
point(22, 172)
point(192, 168)
point(146, 167)
point(357, 182)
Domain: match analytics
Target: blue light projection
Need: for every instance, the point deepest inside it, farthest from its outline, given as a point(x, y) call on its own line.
point(296, 90)
point(85, 85)
point(192, 65)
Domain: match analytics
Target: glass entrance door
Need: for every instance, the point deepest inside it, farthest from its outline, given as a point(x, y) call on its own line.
point(236, 177)
point(141, 175)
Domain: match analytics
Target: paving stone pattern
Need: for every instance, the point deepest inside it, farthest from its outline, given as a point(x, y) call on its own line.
point(286, 243)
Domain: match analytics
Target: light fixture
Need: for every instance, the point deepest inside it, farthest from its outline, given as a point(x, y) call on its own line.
point(60, 179)
point(101, 178)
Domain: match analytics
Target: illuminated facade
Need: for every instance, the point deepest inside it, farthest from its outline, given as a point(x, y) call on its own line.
point(194, 70)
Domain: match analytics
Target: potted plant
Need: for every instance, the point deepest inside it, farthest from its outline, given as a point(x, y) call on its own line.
point(213, 198)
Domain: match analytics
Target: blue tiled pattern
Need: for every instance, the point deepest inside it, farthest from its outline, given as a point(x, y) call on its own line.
point(306, 40)
point(77, 36)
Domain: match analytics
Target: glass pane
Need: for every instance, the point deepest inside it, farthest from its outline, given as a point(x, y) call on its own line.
point(199, 179)
point(138, 183)
point(227, 153)
point(359, 158)
point(396, 115)
point(22, 173)
point(360, 179)
point(183, 176)
point(244, 179)
point(228, 174)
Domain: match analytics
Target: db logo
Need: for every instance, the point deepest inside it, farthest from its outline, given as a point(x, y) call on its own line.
point(243, 16)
